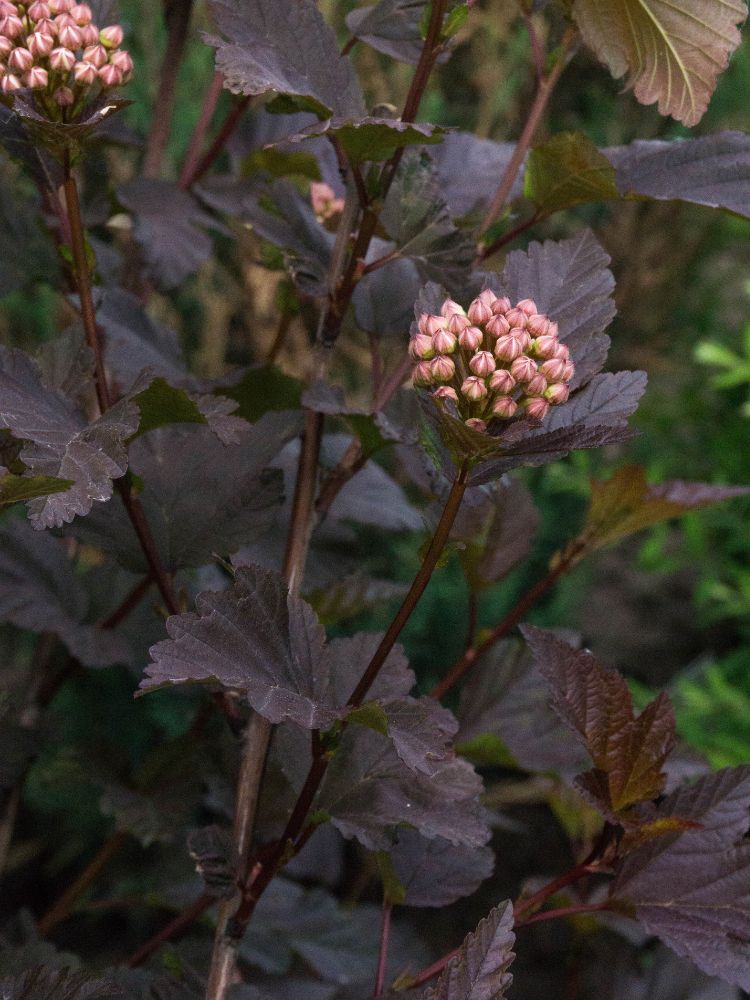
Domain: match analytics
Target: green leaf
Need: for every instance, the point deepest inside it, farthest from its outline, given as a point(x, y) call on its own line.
point(371, 715)
point(672, 52)
point(372, 139)
point(568, 170)
point(263, 389)
point(15, 488)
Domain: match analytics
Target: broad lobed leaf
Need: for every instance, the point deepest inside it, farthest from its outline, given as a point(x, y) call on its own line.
point(434, 872)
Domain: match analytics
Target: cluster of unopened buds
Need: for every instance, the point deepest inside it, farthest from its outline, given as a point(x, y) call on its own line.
point(324, 202)
point(494, 360)
point(53, 48)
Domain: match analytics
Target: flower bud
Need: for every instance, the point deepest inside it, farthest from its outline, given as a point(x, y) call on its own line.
point(553, 330)
point(81, 14)
point(537, 325)
point(536, 408)
point(98, 56)
point(553, 370)
point(442, 368)
point(84, 73)
point(487, 296)
point(522, 337)
point(64, 97)
point(482, 364)
point(451, 308)
point(110, 76)
point(11, 26)
point(508, 348)
point(501, 306)
point(37, 78)
point(516, 317)
point(9, 83)
point(537, 385)
point(502, 381)
point(422, 375)
point(527, 306)
point(60, 6)
point(62, 60)
point(444, 342)
point(569, 371)
point(70, 37)
point(20, 60)
point(63, 21)
point(420, 347)
point(504, 407)
point(40, 45)
point(6, 46)
point(112, 36)
point(557, 393)
point(457, 322)
point(523, 368)
point(476, 424)
point(431, 324)
point(46, 27)
point(479, 312)
point(562, 351)
point(498, 326)
point(546, 346)
point(8, 8)
point(90, 34)
point(445, 392)
point(471, 338)
point(38, 11)
point(473, 388)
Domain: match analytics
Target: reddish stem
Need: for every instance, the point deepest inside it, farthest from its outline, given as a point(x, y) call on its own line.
point(214, 150)
point(563, 911)
point(385, 936)
point(193, 154)
point(173, 929)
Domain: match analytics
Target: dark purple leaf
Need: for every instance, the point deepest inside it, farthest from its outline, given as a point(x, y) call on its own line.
point(371, 139)
point(391, 27)
point(284, 47)
point(711, 170)
point(67, 366)
point(436, 873)
point(40, 591)
point(43, 983)
point(469, 171)
point(384, 299)
point(621, 973)
point(692, 889)
point(134, 341)
point(60, 442)
point(420, 729)
point(480, 971)
point(168, 227)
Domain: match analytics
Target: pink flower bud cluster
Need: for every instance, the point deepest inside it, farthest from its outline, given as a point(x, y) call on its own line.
point(494, 360)
point(324, 202)
point(54, 48)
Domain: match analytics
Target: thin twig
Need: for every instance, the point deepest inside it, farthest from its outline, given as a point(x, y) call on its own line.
point(385, 935)
point(173, 929)
point(544, 91)
point(197, 139)
point(177, 18)
point(563, 911)
point(485, 251)
point(215, 149)
point(128, 603)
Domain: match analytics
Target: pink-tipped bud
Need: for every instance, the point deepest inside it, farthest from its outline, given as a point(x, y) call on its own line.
point(11, 26)
point(64, 97)
point(562, 351)
point(431, 324)
point(528, 306)
point(488, 297)
point(522, 337)
point(110, 76)
point(98, 56)
point(81, 14)
point(62, 60)
point(569, 371)
point(20, 60)
point(546, 346)
point(537, 325)
point(502, 381)
point(112, 36)
point(537, 385)
point(482, 364)
point(504, 407)
point(444, 342)
point(442, 368)
point(124, 62)
point(40, 45)
point(471, 338)
point(9, 83)
point(6, 46)
point(451, 308)
point(46, 27)
point(62, 21)
point(508, 348)
point(523, 368)
point(60, 6)
point(516, 317)
point(422, 375)
point(479, 312)
point(501, 306)
point(445, 392)
point(38, 11)
point(476, 424)
point(90, 34)
point(498, 326)
point(473, 388)
point(553, 370)
point(557, 394)
point(536, 408)
point(84, 73)
point(36, 79)
point(458, 322)
point(420, 347)
point(70, 37)
point(7, 8)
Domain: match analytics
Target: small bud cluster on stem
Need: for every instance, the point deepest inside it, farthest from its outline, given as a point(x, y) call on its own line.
point(325, 204)
point(53, 48)
point(494, 360)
